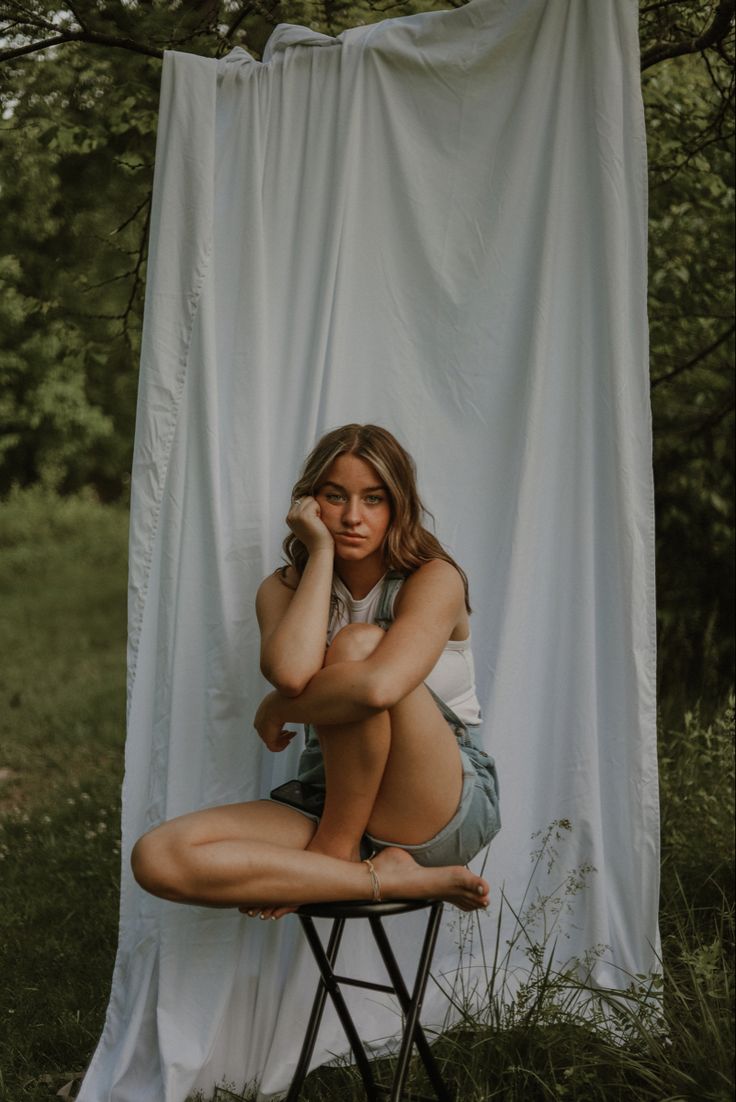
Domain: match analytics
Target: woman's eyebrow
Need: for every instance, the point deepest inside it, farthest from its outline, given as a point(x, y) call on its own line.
point(365, 490)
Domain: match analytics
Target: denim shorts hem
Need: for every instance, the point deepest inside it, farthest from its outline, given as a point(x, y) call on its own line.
point(474, 824)
point(471, 828)
point(302, 810)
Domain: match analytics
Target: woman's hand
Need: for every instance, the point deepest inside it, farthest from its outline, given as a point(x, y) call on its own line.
point(269, 727)
point(293, 618)
point(305, 521)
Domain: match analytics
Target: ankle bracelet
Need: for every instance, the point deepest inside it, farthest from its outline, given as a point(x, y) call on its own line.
point(375, 882)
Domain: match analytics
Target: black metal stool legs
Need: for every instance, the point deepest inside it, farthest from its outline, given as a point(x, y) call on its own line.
point(329, 985)
point(411, 1005)
point(318, 1005)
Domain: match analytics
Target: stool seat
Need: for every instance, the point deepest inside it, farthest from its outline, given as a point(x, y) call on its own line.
point(330, 982)
point(362, 908)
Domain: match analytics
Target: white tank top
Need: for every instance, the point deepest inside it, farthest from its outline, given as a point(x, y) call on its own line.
point(453, 677)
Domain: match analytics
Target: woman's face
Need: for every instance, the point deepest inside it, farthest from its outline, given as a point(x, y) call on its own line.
point(355, 506)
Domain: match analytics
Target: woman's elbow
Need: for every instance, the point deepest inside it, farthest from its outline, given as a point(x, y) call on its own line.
point(380, 694)
point(284, 681)
point(289, 688)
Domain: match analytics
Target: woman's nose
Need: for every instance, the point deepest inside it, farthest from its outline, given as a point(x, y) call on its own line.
point(351, 512)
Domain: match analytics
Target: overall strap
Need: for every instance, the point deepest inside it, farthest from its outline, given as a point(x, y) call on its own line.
point(448, 715)
point(392, 583)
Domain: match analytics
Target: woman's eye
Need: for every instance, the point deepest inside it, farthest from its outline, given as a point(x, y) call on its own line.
point(374, 499)
point(333, 497)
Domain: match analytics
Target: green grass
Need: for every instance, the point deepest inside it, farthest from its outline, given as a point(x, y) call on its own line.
point(62, 705)
point(62, 638)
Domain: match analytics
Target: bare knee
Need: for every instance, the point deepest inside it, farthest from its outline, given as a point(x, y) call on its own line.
point(354, 643)
point(158, 864)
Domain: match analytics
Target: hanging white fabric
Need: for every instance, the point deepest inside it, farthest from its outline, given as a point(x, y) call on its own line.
point(436, 223)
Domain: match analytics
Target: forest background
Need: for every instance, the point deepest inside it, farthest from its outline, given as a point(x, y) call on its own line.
point(79, 86)
point(78, 133)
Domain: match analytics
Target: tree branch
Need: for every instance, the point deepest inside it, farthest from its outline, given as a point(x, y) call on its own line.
point(672, 170)
point(30, 18)
point(713, 421)
point(92, 37)
point(107, 282)
point(236, 20)
point(659, 6)
point(146, 203)
point(75, 13)
point(142, 252)
point(695, 360)
point(714, 34)
point(19, 51)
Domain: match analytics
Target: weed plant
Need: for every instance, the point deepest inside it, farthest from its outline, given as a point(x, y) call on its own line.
point(62, 638)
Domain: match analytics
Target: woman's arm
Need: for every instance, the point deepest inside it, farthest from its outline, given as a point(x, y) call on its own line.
point(432, 600)
point(293, 622)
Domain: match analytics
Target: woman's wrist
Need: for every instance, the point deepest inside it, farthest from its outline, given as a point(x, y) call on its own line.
point(272, 706)
point(335, 694)
point(322, 549)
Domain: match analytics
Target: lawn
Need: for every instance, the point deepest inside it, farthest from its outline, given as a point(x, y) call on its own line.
point(62, 686)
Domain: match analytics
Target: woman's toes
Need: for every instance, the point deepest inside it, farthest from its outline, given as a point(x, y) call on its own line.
point(265, 912)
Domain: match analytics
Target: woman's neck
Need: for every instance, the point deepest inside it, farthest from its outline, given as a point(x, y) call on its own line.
point(360, 577)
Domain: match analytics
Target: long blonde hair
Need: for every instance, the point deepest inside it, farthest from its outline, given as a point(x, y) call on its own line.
point(408, 543)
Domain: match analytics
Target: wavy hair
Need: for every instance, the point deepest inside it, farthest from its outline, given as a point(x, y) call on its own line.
point(408, 543)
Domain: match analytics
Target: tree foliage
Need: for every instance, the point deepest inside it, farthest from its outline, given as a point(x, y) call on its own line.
point(78, 95)
point(689, 112)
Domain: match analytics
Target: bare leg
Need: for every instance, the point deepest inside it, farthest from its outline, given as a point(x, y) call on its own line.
point(355, 757)
point(397, 774)
point(247, 854)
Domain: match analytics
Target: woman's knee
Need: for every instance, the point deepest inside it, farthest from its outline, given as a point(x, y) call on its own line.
point(354, 643)
point(157, 864)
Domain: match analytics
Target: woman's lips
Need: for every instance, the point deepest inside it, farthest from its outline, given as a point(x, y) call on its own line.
point(350, 536)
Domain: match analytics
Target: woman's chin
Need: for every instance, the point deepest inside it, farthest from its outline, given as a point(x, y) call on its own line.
point(346, 551)
point(351, 553)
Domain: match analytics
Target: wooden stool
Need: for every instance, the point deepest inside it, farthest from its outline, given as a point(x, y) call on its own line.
point(411, 1005)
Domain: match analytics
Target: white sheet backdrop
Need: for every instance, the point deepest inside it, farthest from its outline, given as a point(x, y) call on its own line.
point(437, 223)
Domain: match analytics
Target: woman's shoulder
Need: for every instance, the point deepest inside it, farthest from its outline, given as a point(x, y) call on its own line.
point(436, 569)
point(278, 585)
point(435, 575)
point(436, 585)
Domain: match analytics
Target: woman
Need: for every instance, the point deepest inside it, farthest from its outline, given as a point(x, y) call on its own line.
point(394, 793)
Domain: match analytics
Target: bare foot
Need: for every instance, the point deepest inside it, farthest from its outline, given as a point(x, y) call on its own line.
point(402, 878)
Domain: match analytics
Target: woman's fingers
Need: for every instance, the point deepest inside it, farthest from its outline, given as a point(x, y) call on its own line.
point(283, 740)
point(304, 519)
point(270, 730)
point(277, 741)
point(302, 511)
